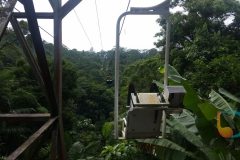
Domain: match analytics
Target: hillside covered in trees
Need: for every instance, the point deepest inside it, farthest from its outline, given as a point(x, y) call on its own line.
point(205, 56)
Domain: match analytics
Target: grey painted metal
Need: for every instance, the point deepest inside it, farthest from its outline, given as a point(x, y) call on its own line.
point(167, 48)
point(175, 96)
point(143, 124)
point(5, 14)
point(31, 139)
point(161, 9)
point(163, 123)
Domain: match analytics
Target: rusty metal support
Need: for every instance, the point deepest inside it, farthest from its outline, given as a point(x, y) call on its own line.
point(31, 139)
point(57, 80)
point(41, 71)
point(29, 55)
point(38, 45)
point(67, 7)
point(39, 15)
point(52, 3)
point(5, 14)
point(54, 145)
point(40, 143)
point(24, 117)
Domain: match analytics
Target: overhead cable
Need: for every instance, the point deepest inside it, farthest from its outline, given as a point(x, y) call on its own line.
point(99, 25)
point(124, 17)
point(83, 28)
point(46, 31)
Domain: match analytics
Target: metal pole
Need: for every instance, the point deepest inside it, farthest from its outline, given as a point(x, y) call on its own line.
point(116, 79)
point(167, 48)
point(57, 5)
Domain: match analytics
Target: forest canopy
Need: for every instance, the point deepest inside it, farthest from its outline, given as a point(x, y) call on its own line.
point(205, 50)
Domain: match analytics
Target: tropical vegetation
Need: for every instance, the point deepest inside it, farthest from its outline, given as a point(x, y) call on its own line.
point(205, 51)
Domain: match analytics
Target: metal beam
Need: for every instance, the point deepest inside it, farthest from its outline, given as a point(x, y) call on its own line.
point(39, 15)
point(28, 54)
point(54, 145)
point(67, 7)
point(57, 80)
point(31, 139)
point(24, 117)
point(38, 45)
point(5, 14)
point(52, 3)
point(21, 1)
point(40, 143)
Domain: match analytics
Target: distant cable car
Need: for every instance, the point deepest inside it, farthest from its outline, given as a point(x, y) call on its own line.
point(109, 81)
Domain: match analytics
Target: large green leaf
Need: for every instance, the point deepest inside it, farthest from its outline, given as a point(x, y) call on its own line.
point(220, 102)
point(187, 120)
point(191, 137)
point(191, 101)
point(169, 150)
point(160, 85)
point(106, 129)
point(172, 73)
point(229, 95)
point(237, 105)
point(209, 110)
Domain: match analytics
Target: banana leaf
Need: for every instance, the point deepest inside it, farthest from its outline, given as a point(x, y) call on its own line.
point(209, 110)
point(191, 101)
point(237, 105)
point(169, 150)
point(229, 95)
point(219, 102)
point(190, 137)
point(187, 120)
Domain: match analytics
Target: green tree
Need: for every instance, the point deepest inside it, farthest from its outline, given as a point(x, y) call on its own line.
point(204, 39)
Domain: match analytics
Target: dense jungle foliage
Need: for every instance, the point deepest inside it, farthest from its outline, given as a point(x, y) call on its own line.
point(204, 58)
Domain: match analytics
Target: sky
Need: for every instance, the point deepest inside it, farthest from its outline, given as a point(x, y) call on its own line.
point(137, 33)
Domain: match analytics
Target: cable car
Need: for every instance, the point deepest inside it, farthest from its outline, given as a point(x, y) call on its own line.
point(147, 111)
point(109, 81)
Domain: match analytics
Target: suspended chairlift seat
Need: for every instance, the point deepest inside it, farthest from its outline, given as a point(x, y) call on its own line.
point(144, 116)
point(147, 111)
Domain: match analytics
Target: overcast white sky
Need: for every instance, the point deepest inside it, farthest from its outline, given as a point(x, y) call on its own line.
point(137, 33)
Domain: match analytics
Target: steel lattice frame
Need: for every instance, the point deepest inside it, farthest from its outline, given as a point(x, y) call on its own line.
point(52, 90)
